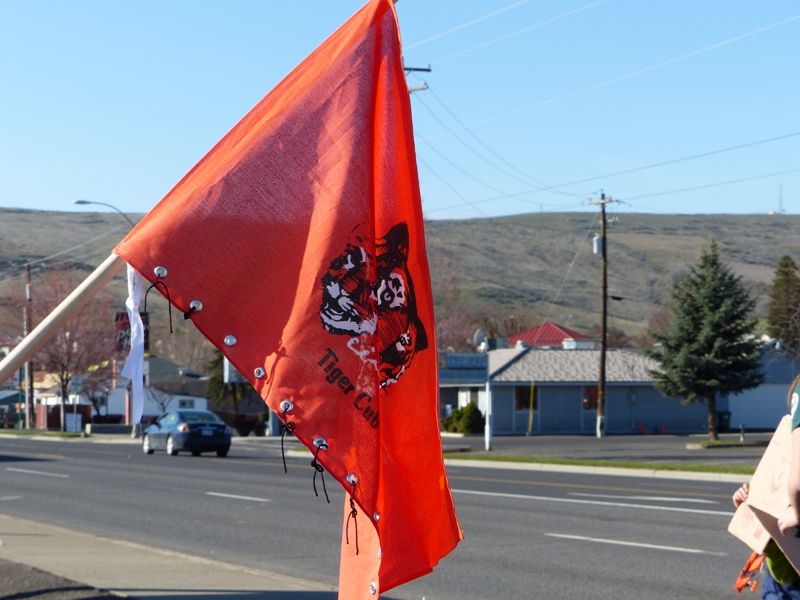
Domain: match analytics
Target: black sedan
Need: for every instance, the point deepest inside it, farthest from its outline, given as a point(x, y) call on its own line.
point(194, 431)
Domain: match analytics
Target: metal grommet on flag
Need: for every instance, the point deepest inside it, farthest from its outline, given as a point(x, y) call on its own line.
point(320, 444)
point(286, 406)
point(352, 479)
point(373, 589)
point(376, 516)
point(159, 273)
point(259, 372)
point(194, 306)
point(230, 340)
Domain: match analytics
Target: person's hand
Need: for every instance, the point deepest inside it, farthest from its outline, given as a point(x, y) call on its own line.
point(788, 520)
point(741, 494)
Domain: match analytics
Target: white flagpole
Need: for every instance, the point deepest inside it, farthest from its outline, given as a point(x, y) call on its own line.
point(55, 320)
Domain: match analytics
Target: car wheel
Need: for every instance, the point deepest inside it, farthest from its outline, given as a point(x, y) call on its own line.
point(223, 453)
point(195, 453)
point(146, 445)
point(171, 447)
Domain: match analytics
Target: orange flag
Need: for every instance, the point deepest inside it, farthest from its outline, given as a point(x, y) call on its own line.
point(296, 246)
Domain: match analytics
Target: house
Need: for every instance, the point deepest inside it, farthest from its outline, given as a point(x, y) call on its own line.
point(549, 389)
point(552, 335)
point(168, 386)
point(554, 391)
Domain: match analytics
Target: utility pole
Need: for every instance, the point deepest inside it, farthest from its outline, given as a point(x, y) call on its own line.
point(600, 429)
point(424, 85)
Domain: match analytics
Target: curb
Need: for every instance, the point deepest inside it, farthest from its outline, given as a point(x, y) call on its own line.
point(615, 471)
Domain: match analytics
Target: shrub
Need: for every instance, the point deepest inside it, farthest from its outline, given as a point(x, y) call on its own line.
point(449, 422)
point(471, 420)
point(464, 420)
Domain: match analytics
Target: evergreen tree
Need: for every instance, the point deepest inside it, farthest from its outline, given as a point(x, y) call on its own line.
point(709, 348)
point(221, 394)
point(783, 320)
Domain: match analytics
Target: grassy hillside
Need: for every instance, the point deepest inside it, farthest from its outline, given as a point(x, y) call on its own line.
point(545, 261)
point(541, 264)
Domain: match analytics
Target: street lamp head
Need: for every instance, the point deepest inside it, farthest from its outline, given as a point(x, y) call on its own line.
point(127, 218)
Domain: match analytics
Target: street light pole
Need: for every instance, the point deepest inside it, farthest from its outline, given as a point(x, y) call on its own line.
point(26, 326)
point(127, 218)
point(135, 429)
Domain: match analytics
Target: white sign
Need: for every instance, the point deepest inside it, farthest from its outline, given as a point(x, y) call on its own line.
point(230, 374)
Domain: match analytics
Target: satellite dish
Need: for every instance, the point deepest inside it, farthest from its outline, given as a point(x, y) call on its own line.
point(479, 337)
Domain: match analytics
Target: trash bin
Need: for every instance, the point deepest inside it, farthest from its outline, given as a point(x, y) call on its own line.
point(723, 421)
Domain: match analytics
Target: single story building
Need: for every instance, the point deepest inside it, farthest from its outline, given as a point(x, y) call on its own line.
point(764, 406)
point(553, 390)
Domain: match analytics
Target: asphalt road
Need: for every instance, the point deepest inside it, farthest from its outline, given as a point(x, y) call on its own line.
point(560, 534)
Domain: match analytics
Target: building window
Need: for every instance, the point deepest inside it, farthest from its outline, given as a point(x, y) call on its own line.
point(522, 397)
point(185, 403)
point(590, 397)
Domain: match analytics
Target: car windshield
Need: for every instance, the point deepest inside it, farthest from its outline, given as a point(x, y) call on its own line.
point(198, 416)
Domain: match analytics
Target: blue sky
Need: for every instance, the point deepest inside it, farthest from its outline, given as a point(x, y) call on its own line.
point(687, 106)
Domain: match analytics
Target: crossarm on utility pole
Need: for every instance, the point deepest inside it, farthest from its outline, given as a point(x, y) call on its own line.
point(56, 319)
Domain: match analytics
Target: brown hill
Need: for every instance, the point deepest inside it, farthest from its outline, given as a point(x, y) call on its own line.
point(544, 262)
point(540, 265)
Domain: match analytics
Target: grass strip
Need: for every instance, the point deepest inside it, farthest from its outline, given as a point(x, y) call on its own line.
point(23, 432)
point(619, 464)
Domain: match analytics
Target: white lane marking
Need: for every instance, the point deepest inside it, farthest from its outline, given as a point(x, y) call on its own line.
point(2, 498)
point(698, 511)
point(235, 497)
point(635, 544)
point(37, 472)
point(653, 498)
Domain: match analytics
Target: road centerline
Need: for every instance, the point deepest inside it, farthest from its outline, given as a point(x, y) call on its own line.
point(582, 538)
point(650, 498)
point(237, 497)
point(595, 502)
point(31, 472)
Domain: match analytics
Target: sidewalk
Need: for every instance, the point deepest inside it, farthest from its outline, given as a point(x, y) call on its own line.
point(64, 557)
point(47, 562)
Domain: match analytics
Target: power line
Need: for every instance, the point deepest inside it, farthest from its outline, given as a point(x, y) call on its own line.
point(628, 75)
point(515, 33)
point(710, 185)
point(529, 180)
point(677, 160)
point(653, 166)
point(465, 25)
point(452, 189)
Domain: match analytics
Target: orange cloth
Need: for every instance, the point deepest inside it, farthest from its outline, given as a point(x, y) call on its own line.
point(301, 233)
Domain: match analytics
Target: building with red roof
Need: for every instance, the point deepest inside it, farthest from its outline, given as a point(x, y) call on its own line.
point(547, 334)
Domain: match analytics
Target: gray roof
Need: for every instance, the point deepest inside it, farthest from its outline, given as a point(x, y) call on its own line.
point(499, 359)
point(178, 379)
point(572, 366)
